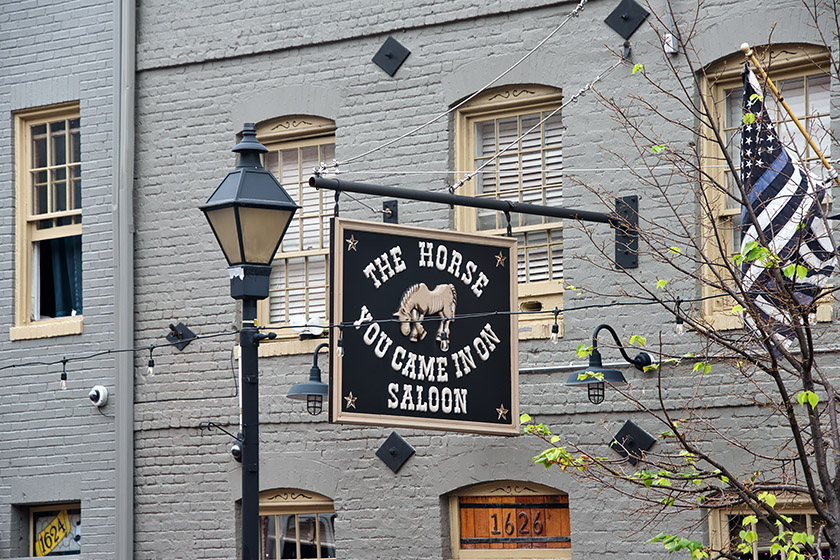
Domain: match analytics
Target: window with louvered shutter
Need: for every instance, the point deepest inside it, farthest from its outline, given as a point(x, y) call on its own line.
point(518, 122)
point(299, 284)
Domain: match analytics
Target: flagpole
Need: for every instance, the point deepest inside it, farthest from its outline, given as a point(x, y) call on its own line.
point(748, 52)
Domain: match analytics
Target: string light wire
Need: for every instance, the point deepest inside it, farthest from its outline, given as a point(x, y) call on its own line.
point(335, 164)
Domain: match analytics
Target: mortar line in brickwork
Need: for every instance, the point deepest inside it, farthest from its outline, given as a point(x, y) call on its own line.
point(332, 41)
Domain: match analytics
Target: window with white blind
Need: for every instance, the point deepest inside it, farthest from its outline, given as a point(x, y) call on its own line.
point(800, 74)
point(299, 284)
point(522, 123)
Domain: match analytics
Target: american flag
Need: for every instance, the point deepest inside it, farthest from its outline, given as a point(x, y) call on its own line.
point(786, 201)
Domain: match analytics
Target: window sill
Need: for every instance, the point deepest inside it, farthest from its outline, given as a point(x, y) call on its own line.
point(47, 328)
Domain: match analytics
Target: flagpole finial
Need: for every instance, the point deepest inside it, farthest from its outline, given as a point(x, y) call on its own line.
point(745, 47)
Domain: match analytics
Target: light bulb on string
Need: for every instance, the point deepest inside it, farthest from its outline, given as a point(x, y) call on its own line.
point(64, 374)
point(555, 328)
point(339, 346)
point(679, 324)
point(150, 370)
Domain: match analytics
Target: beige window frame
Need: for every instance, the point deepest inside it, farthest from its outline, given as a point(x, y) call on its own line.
point(503, 105)
point(501, 489)
point(788, 65)
point(73, 511)
point(720, 535)
point(296, 145)
point(303, 511)
point(28, 235)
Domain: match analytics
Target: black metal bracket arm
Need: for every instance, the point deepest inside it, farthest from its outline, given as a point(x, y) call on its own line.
point(624, 220)
point(642, 359)
point(210, 425)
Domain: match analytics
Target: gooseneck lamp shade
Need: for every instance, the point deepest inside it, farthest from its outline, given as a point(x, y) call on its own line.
point(594, 385)
point(312, 391)
point(249, 211)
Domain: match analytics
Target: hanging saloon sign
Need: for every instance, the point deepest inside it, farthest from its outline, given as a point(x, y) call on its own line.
point(427, 338)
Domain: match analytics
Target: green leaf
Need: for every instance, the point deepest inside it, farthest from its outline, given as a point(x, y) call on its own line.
point(668, 501)
point(638, 68)
point(637, 339)
point(661, 284)
point(555, 439)
point(748, 118)
point(755, 97)
point(767, 498)
point(702, 367)
point(812, 398)
point(651, 367)
point(583, 350)
point(591, 375)
point(675, 250)
point(795, 270)
point(658, 149)
point(524, 418)
point(738, 308)
point(749, 520)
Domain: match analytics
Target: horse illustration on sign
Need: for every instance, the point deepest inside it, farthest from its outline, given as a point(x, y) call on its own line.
point(418, 301)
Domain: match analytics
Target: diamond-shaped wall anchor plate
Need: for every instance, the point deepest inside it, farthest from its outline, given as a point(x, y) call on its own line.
point(180, 335)
point(626, 18)
point(631, 441)
point(391, 56)
point(395, 452)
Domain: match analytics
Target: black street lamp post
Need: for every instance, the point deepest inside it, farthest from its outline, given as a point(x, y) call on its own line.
point(249, 213)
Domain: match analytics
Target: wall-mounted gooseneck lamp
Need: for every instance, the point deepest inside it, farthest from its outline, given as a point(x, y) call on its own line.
point(594, 385)
point(312, 391)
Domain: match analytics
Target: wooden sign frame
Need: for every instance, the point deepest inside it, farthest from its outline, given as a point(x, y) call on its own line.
point(395, 291)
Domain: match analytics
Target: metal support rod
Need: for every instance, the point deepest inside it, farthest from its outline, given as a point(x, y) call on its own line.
point(249, 342)
point(453, 199)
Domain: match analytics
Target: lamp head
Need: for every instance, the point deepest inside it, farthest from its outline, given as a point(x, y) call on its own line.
point(312, 391)
point(595, 385)
point(249, 213)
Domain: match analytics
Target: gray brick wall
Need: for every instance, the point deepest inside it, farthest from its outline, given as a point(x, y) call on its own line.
point(205, 68)
point(55, 446)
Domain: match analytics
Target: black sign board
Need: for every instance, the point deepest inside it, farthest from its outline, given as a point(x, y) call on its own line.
point(427, 336)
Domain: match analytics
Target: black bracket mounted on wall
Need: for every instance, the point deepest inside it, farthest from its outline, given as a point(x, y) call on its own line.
point(390, 212)
point(627, 232)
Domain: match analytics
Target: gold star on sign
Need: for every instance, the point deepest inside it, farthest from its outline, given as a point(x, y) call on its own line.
point(500, 259)
point(502, 411)
point(351, 400)
point(351, 243)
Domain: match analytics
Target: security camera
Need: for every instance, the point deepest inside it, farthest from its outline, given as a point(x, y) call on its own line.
point(236, 448)
point(99, 395)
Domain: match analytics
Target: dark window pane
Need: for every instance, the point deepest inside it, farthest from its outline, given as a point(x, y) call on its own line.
point(39, 148)
point(60, 277)
point(59, 148)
